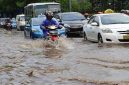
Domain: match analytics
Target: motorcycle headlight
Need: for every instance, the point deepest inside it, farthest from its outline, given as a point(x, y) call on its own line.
point(106, 30)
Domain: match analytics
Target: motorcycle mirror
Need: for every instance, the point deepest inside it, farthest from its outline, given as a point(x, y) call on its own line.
point(59, 20)
point(61, 23)
point(87, 18)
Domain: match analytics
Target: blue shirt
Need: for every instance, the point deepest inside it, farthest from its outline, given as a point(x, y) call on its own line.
point(49, 22)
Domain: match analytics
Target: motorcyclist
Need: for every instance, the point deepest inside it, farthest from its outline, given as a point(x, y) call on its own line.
point(49, 21)
point(8, 25)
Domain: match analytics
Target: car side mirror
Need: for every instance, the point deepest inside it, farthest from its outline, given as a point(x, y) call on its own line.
point(28, 25)
point(87, 18)
point(94, 24)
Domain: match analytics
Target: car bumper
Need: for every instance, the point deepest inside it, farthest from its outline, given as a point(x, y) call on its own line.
point(75, 30)
point(37, 34)
point(22, 27)
point(115, 38)
point(61, 32)
point(14, 27)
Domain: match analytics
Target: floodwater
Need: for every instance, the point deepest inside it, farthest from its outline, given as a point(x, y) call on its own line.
point(71, 62)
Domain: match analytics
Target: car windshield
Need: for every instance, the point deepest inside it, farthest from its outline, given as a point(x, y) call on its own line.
point(115, 19)
point(72, 16)
point(22, 18)
point(13, 21)
point(37, 21)
point(40, 9)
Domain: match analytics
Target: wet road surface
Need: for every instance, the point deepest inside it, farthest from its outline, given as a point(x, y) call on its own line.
point(72, 62)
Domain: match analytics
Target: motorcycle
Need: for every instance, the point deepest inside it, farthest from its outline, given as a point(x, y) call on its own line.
point(8, 25)
point(53, 33)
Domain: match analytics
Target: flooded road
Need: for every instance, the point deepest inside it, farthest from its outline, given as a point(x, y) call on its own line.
point(72, 62)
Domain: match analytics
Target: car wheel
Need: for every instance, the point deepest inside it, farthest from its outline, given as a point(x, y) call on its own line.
point(84, 36)
point(81, 34)
point(18, 29)
point(25, 34)
point(67, 35)
point(100, 41)
point(31, 36)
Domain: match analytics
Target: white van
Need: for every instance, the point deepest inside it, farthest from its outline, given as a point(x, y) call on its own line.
point(20, 21)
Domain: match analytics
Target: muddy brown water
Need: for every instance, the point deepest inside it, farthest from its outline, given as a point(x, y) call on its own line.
point(72, 62)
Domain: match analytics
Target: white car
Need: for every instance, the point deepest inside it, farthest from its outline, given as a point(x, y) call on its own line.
point(107, 28)
point(20, 21)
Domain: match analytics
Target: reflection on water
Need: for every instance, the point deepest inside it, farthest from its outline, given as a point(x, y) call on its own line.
point(110, 45)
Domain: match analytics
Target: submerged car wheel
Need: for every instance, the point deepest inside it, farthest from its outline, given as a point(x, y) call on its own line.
point(81, 34)
point(84, 36)
point(25, 34)
point(100, 39)
point(18, 29)
point(67, 35)
point(31, 36)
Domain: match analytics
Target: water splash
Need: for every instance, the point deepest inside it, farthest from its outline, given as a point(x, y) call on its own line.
point(63, 43)
point(66, 43)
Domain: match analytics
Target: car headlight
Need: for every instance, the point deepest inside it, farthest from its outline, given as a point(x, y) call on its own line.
point(35, 30)
point(106, 30)
point(66, 26)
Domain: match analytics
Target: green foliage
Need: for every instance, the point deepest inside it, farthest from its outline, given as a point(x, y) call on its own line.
point(75, 6)
point(20, 3)
point(127, 5)
point(64, 5)
point(85, 6)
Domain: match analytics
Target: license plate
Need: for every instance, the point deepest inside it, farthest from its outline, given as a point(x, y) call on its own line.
point(53, 31)
point(126, 37)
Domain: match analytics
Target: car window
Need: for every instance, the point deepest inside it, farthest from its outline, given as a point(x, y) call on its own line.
point(96, 19)
point(91, 20)
point(22, 18)
point(37, 21)
point(72, 17)
point(115, 19)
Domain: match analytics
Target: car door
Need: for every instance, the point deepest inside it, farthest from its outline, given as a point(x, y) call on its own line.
point(88, 28)
point(95, 28)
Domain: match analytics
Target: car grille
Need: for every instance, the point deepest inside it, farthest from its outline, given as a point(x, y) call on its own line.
point(123, 32)
point(123, 40)
point(76, 25)
point(76, 29)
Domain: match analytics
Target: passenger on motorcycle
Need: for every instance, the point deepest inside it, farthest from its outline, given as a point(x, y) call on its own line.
point(8, 25)
point(49, 21)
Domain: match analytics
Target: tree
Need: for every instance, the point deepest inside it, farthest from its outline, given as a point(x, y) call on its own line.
point(64, 5)
point(75, 5)
point(85, 6)
point(12, 6)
